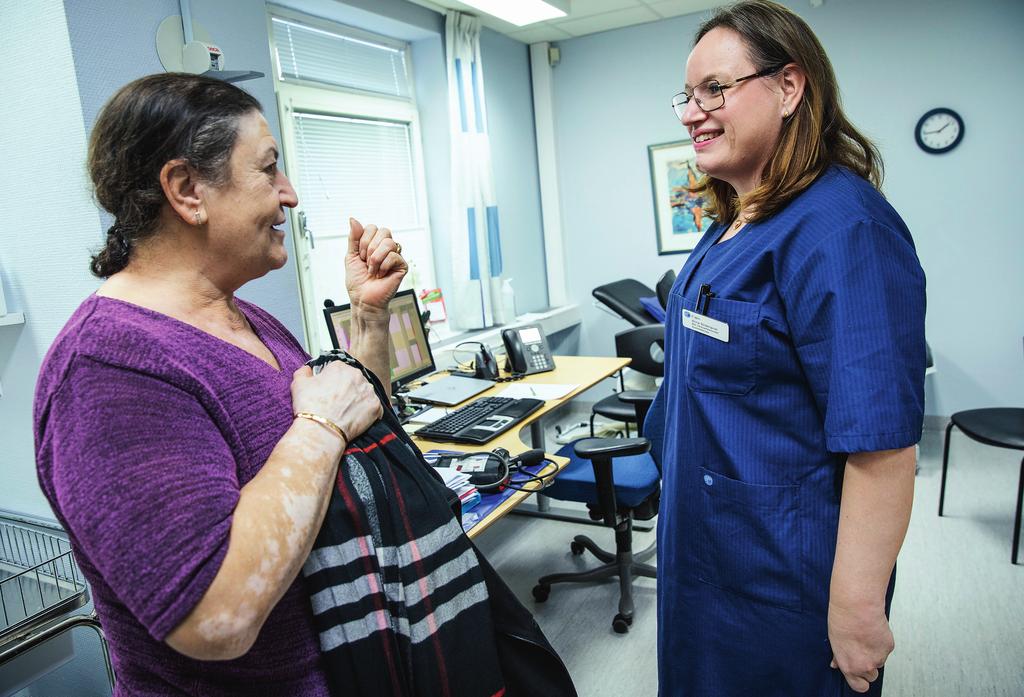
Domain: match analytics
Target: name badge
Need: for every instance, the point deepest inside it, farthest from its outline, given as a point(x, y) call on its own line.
point(706, 326)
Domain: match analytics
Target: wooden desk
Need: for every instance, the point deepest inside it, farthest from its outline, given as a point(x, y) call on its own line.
point(584, 371)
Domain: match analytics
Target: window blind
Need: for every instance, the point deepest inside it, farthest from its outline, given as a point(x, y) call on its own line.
point(351, 167)
point(316, 55)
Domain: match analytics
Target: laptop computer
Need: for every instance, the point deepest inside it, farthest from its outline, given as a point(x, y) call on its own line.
point(411, 358)
point(449, 390)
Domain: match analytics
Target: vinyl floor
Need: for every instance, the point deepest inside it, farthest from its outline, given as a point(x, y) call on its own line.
point(958, 612)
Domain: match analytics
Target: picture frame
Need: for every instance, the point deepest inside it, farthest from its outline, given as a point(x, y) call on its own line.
point(678, 214)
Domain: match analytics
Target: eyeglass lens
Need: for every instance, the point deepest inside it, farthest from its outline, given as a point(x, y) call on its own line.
point(709, 96)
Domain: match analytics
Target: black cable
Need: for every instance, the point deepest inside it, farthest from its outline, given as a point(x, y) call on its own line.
point(509, 466)
point(511, 378)
point(517, 465)
point(545, 482)
point(458, 347)
point(465, 368)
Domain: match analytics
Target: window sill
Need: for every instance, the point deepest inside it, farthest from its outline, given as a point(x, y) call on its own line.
point(551, 321)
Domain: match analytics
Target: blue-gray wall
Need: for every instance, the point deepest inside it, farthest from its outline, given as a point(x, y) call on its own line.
point(514, 153)
point(509, 97)
point(239, 27)
point(95, 47)
point(894, 61)
point(52, 223)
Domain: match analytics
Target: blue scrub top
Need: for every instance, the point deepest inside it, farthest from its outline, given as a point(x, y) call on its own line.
point(825, 304)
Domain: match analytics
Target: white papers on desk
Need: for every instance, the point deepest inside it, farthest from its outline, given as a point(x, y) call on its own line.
point(429, 416)
point(453, 478)
point(459, 483)
point(524, 390)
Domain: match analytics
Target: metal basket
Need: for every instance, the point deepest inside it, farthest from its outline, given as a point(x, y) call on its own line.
point(39, 578)
point(40, 587)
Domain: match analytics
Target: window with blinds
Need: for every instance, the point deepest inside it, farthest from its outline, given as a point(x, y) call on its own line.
point(360, 168)
point(341, 59)
point(351, 142)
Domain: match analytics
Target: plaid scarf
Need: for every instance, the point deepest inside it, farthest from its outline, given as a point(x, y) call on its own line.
point(399, 598)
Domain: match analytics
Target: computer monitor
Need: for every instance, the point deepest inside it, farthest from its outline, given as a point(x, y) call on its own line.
point(407, 338)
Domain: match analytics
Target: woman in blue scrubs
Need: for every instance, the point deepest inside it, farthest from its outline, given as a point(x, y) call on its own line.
point(794, 384)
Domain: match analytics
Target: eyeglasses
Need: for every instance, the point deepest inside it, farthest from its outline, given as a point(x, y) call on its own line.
point(710, 95)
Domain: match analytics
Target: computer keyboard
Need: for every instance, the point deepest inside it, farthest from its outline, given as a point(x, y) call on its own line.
point(480, 421)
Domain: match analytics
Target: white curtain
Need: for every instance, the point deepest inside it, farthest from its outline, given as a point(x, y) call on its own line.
point(476, 242)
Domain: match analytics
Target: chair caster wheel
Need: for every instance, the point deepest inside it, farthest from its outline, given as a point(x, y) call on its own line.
point(621, 624)
point(576, 548)
point(541, 593)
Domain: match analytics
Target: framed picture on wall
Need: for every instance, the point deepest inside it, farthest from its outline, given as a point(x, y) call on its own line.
point(678, 214)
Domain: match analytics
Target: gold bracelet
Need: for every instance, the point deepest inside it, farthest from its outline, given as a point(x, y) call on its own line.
point(323, 422)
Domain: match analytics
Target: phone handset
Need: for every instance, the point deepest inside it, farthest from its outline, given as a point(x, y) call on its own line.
point(527, 350)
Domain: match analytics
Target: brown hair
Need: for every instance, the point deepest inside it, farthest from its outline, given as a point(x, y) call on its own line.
point(816, 136)
point(146, 124)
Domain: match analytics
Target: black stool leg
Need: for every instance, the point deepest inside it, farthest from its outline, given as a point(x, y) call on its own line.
point(1016, 521)
point(945, 463)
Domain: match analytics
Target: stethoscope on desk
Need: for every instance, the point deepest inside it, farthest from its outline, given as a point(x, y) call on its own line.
point(500, 476)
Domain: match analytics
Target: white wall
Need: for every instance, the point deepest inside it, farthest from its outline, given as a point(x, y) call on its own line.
point(510, 125)
point(48, 207)
point(894, 61)
point(112, 47)
point(91, 49)
point(507, 84)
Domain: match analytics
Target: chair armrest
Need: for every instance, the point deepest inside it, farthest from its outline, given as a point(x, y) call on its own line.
point(593, 448)
point(637, 396)
point(641, 401)
point(600, 452)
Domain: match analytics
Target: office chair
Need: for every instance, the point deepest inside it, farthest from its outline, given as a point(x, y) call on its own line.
point(623, 299)
point(645, 346)
point(1002, 427)
point(620, 482)
point(664, 287)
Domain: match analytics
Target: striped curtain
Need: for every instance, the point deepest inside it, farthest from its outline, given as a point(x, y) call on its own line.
point(476, 242)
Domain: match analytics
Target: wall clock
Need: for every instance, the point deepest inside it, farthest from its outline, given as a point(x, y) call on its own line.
point(939, 130)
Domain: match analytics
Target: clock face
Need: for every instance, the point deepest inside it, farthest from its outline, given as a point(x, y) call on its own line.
point(939, 130)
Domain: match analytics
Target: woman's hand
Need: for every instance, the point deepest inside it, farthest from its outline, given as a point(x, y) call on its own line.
point(340, 393)
point(878, 492)
point(278, 514)
point(861, 642)
point(373, 268)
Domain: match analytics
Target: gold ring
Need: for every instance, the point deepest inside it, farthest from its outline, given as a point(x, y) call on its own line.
point(398, 248)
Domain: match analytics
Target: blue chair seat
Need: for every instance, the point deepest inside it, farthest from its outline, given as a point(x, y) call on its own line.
point(636, 478)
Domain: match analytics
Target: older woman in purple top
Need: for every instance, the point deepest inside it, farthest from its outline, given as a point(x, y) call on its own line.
point(165, 413)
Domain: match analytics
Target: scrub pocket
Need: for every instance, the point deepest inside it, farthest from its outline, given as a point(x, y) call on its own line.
point(750, 539)
point(725, 367)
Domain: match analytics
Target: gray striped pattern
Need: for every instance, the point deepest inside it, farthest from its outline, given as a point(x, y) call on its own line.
point(352, 592)
point(420, 631)
point(339, 555)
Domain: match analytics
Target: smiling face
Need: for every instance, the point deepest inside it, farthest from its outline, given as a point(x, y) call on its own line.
point(245, 216)
point(733, 143)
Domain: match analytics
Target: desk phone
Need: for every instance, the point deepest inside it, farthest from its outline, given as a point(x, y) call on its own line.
point(527, 349)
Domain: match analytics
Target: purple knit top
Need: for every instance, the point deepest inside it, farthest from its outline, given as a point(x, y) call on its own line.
point(145, 430)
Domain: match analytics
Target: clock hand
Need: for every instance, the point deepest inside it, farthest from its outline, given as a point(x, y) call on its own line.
point(938, 130)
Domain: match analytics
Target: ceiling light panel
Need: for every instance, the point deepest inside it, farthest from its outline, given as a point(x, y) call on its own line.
point(520, 12)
